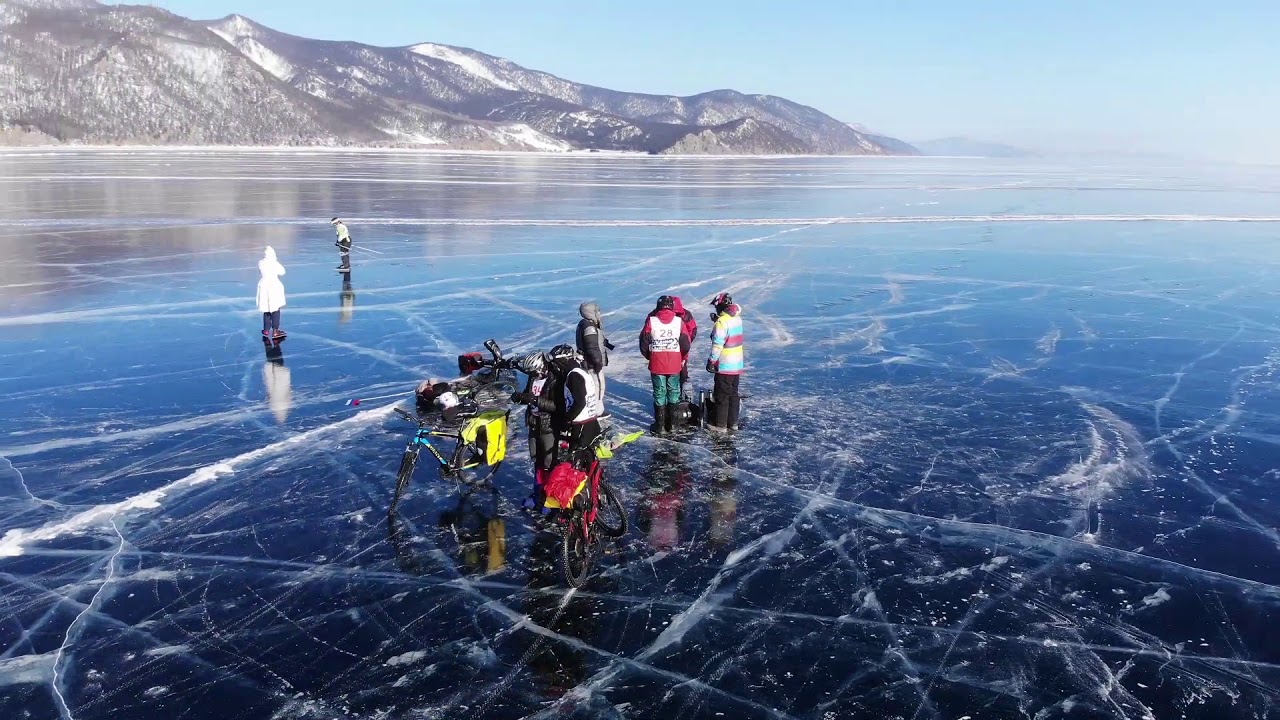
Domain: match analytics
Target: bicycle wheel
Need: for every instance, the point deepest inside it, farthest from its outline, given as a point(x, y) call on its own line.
point(611, 518)
point(407, 465)
point(470, 476)
point(576, 553)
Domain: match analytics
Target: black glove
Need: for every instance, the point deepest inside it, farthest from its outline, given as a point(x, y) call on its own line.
point(712, 366)
point(714, 318)
point(608, 345)
point(522, 398)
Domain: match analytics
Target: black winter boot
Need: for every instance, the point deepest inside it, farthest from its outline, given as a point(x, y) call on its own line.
point(659, 426)
point(668, 418)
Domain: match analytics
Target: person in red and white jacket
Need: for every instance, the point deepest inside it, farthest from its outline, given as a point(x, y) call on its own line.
point(665, 343)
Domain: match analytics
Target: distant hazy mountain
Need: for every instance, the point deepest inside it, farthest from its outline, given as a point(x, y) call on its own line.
point(893, 145)
point(967, 147)
point(76, 70)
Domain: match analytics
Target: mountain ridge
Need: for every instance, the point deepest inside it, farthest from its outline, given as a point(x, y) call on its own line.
point(79, 71)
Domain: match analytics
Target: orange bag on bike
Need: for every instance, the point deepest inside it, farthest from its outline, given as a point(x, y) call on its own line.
point(563, 485)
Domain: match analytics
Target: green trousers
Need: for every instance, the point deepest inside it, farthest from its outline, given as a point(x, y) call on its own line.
point(666, 389)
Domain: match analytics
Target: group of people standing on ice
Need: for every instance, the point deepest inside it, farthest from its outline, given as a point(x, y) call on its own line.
point(666, 340)
point(564, 393)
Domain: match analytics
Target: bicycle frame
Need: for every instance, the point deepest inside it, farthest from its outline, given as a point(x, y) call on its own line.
point(422, 438)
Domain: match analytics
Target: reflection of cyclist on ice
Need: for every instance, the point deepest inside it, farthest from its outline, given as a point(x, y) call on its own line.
point(667, 484)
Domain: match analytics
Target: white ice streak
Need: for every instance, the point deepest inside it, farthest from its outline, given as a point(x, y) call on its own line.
point(164, 650)
point(15, 541)
point(621, 222)
point(1117, 456)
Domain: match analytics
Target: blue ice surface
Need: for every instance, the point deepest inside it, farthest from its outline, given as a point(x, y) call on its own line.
point(1010, 448)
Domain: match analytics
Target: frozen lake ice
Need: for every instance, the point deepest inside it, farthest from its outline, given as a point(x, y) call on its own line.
point(1011, 448)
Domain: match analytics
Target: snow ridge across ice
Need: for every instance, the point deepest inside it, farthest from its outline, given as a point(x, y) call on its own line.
point(15, 541)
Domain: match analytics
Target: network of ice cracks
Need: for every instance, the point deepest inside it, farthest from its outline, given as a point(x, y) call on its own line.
point(960, 491)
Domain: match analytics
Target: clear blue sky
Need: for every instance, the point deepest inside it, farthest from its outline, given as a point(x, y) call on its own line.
point(1197, 78)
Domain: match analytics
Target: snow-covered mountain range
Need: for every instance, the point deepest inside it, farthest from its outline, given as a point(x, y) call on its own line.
point(75, 70)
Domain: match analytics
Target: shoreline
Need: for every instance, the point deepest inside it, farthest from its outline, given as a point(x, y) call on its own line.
point(333, 150)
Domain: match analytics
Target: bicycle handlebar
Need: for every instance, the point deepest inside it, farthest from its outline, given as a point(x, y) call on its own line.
point(405, 414)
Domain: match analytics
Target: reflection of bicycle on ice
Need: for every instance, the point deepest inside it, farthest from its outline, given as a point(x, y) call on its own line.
point(476, 524)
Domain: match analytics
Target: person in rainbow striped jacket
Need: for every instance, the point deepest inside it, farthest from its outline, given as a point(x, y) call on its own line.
point(726, 361)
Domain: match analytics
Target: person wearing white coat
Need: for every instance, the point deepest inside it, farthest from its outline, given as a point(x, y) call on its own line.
point(270, 294)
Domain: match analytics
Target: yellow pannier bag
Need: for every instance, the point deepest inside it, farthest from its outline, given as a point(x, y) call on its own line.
point(488, 432)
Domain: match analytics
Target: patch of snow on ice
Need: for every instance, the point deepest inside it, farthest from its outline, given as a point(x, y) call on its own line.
point(996, 563)
point(407, 658)
point(168, 650)
point(1159, 597)
point(1049, 342)
point(952, 575)
point(467, 63)
point(27, 670)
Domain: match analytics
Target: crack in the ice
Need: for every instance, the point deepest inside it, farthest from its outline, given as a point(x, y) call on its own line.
point(64, 710)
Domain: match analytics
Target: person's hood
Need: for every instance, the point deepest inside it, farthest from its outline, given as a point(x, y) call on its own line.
point(269, 254)
point(675, 299)
point(590, 311)
point(732, 311)
point(665, 314)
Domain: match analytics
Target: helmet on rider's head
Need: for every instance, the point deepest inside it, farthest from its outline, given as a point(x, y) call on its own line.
point(666, 302)
point(532, 364)
point(722, 301)
point(562, 358)
point(562, 352)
